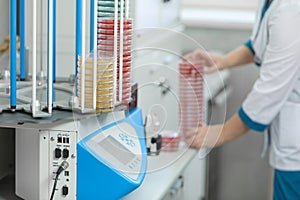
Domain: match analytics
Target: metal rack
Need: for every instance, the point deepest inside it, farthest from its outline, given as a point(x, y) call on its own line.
point(35, 107)
point(118, 12)
point(115, 10)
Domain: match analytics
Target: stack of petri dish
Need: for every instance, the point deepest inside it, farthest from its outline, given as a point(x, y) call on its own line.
point(105, 85)
point(127, 62)
point(191, 105)
point(106, 8)
point(106, 48)
point(104, 88)
point(169, 140)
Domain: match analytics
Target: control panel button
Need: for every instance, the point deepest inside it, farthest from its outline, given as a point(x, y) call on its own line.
point(65, 190)
point(65, 153)
point(57, 153)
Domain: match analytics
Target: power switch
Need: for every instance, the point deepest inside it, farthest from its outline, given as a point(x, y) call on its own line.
point(65, 190)
point(65, 153)
point(57, 153)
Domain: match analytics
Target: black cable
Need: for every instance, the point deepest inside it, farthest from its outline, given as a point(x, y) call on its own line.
point(54, 186)
point(63, 166)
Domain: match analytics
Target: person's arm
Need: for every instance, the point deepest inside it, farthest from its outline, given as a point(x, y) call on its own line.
point(216, 135)
point(237, 57)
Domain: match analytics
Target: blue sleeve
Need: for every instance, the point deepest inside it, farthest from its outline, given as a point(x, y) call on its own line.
point(249, 45)
point(250, 123)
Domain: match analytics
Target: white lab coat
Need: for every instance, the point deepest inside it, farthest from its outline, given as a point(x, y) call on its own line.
point(273, 104)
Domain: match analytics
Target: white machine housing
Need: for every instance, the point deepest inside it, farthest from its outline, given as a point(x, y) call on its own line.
point(34, 170)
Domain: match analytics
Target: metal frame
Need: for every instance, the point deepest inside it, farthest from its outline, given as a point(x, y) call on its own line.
point(80, 52)
point(22, 41)
point(50, 54)
point(13, 54)
point(34, 56)
point(94, 40)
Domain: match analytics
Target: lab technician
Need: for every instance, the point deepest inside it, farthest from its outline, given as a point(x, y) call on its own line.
point(273, 105)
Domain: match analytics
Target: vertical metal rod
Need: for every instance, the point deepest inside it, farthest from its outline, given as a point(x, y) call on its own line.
point(54, 51)
point(83, 56)
point(93, 18)
point(78, 38)
point(54, 43)
point(121, 51)
point(94, 24)
point(41, 37)
point(115, 50)
point(27, 60)
point(50, 57)
point(22, 41)
point(13, 54)
point(34, 52)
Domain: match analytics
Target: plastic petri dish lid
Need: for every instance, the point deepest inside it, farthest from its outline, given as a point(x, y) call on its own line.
point(104, 103)
point(106, 4)
point(101, 78)
point(112, 21)
point(111, 38)
point(110, 32)
point(104, 92)
point(109, 24)
point(104, 97)
point(104, 14)
point(104, 71)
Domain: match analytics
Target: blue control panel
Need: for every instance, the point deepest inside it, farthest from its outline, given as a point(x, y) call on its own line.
point(112, 161)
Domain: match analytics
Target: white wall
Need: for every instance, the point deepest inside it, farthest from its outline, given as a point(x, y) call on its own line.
point(4, 18)
point(161, 14)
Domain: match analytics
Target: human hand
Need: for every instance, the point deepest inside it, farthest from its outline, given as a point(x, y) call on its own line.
point(212, 61)
point(204, 136)
point(195, 137)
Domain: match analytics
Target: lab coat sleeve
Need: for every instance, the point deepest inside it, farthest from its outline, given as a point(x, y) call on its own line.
point(255, 27)
point(279, 71)
point(250, 47)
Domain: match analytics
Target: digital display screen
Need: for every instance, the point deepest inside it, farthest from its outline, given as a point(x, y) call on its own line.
point(116, 149)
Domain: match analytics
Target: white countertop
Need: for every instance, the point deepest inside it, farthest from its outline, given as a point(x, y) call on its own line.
point(163, 171)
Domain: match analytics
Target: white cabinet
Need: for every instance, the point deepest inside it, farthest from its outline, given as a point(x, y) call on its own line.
point(190, 185)
point(195, 179)
point(176, 192)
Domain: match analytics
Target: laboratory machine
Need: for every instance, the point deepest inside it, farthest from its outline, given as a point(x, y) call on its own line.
point(80, 137)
